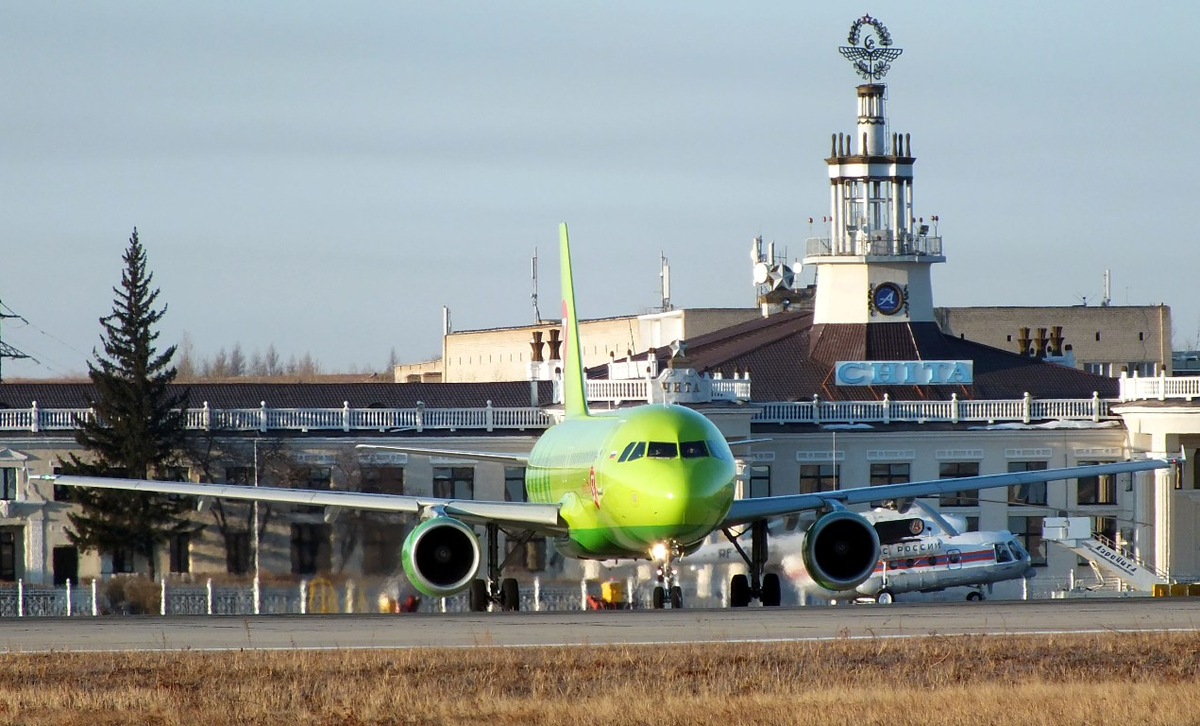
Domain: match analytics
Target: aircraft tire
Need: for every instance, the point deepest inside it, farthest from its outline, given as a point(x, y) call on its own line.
point(510, 594)
point(772, 593)
point(478, 600)
point(885, 597)
point(739, 591)
point(974, 596)
point(676, 597)
point(660, 597)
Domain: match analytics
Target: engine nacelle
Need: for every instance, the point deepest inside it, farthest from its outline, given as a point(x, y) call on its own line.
point(441, 556)
point(841, 550)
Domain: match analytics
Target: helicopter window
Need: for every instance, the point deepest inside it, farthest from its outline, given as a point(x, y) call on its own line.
point(627, 451)
point(1017, 549)
point(639, 450)
point(1002, 554)
point(954, 557)
point(662, 450)
point(693, 449)
point(909, 563)
point(931, 561)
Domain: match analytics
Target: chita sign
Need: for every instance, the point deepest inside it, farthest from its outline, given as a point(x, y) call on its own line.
point(903, 372)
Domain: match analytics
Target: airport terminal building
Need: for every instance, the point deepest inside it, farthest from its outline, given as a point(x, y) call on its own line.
point(860, 380)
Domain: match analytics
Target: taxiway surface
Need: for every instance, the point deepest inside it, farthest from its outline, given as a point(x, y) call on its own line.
point(583, 628)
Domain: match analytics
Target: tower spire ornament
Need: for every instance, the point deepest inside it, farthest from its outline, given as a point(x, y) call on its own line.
point(871, 61)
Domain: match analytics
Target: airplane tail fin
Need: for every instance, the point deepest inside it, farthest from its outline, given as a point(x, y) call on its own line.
point(574, 386)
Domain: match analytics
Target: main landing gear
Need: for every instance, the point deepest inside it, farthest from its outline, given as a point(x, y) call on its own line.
point(504, 592)
point(760, 585)
point(666, 588)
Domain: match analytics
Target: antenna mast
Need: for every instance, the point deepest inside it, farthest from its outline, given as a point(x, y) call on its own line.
point(664, 273)
point(537, 315)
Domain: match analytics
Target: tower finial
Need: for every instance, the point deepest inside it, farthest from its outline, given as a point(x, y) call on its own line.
point(869, 61)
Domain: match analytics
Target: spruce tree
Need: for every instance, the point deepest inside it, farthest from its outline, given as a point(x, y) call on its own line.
point(138, 427)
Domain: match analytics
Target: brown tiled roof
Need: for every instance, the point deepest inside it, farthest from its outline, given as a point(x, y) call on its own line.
point(297, 395)
point(791, 359)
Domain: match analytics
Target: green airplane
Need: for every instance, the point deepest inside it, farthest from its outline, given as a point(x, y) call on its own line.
point(644, 482)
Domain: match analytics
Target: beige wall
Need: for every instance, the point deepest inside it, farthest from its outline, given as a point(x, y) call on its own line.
point(504, 354)
point(1112, 337)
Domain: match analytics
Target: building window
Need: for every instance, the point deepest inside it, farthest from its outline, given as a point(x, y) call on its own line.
point(311, 550)
point(239, 475)
point(1105, 530)
point(8, 484)
point(382, 540)
point(1027, 493)
point(173, 473)
point(890, 474)
point(1028, 531)
point(61, 493)
point(181, 553)
point(1100, 489)
point(456, 482)
point(760, 480)
point(122, 560)
point(383, 479)
point(972, 524)
point(818, 478)
point(319, 477)
point(514, 484)
point(8, 556)
point(237, 552)
point(957, 470)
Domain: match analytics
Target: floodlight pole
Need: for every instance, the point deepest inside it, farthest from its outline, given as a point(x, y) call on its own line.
point(257, 591)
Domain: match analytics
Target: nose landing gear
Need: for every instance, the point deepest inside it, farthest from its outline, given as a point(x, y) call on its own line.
point(667, 590)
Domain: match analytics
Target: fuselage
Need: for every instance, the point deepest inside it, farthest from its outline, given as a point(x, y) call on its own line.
point(933, 561)
point(942, 561)
point(630, 479)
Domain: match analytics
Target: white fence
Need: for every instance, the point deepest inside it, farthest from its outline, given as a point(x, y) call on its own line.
point(491, 418)
point(314, 596)
point(1160, 388)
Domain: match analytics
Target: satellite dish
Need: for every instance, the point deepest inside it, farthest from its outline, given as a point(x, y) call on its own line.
point(762, 273)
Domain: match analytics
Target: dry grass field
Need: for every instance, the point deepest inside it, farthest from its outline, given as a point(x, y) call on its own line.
point(977, 680)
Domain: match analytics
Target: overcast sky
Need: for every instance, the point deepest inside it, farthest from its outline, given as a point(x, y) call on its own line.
point(326, 176)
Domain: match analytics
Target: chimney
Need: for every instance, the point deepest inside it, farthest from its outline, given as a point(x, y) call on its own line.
point(1023, 341)
point(1039, 342)
point(555, 344)
point(1056, 340)
point(536, 344)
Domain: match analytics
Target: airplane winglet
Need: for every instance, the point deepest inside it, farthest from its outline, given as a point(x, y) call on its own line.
point(574, 387)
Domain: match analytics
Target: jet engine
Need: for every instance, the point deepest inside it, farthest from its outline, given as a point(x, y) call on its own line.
point(441, 556)
point(841, 550)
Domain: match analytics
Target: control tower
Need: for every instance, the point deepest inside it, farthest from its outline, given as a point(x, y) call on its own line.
point(874, 265)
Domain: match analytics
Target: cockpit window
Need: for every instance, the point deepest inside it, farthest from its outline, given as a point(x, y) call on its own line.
point(693, 449)
point(662, 450)
point(637, 452)
point(718, 452)
point(1002, 554)
point(627, 451)
point(1017, 549)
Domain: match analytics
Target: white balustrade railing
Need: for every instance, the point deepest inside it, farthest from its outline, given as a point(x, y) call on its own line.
point(489, 418)
point(1159, 388)
point(1022, 410)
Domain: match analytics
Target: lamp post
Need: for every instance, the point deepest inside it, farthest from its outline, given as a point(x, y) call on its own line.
point(257, 592)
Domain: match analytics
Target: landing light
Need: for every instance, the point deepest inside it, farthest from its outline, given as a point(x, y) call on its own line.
point(658, 552)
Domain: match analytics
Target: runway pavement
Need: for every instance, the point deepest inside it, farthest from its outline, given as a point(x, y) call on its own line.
point(594, 628)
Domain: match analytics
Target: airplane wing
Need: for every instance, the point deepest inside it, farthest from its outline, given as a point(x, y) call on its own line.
point(539, 517)
point(745, 442)
point(493, 456)
point(745, 511)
